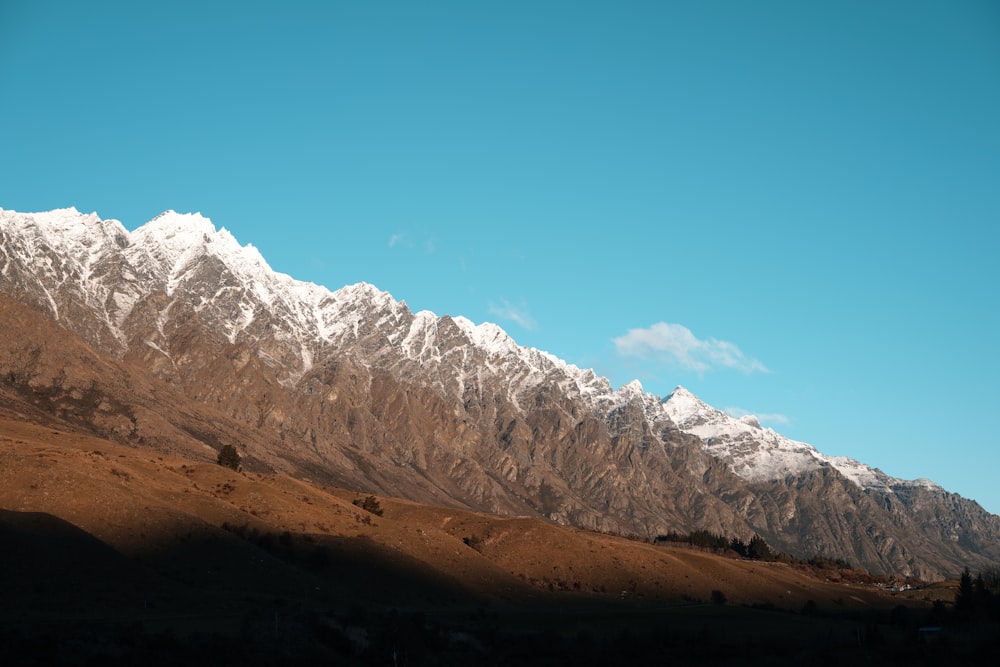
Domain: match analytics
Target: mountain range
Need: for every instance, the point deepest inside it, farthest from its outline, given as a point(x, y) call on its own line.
point(177, 338)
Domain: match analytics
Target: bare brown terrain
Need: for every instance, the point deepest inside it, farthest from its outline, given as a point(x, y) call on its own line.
point(138, 503)
point(99, 536)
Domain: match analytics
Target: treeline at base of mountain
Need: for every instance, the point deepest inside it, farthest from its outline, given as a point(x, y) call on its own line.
point(758, 549)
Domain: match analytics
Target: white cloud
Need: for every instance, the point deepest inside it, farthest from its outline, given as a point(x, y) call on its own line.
point(518, 314)
point(409, 242)
point(769, 418)
point(675, 343)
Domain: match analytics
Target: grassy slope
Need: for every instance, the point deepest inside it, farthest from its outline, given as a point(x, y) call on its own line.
point(165, 518)
point(113, 553)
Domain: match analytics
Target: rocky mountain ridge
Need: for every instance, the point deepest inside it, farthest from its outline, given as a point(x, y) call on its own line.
point(756, 453)
point(352, 387)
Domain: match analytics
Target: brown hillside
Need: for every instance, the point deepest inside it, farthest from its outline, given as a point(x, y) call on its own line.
point(178, 528)
point(112, 553)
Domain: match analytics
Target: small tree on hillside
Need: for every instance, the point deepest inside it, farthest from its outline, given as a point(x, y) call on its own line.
point(369, 504)
point(229, 457)
point(739, 546)
point(758, 549)
point(966, 596)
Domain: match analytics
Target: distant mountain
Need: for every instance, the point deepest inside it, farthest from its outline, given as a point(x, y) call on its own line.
point(182, 339)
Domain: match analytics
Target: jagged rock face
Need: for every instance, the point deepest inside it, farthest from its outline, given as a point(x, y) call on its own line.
point(813, 503)
point(188, 340)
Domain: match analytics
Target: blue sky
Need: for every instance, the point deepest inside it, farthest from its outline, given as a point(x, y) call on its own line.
point(789, 208)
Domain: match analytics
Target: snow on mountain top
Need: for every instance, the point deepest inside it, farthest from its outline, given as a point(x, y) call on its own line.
point(181, 233)
point(362, 291)
point(363, 297)
point(868, 477)
point(74, 233)
point(171, 242)
point(681, 404)
point(170, 222)
point(170, 248)
point(62, 245)
point(58, 217)
point(921, 482)
point(752, 452)
point(545, 367)
point(757, 453)
point(53, 217)
point(634, 388)
point(693, 415)
point(863, 475)
point(487, 336)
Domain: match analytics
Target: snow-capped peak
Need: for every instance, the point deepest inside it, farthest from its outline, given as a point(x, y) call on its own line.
point(172, 242)
point(487, 336)
point(171, 222)
point(757, 453)
point(365, 296)
point(73, 233)
point(178, 233)
point(632, 388)
point(681, 405)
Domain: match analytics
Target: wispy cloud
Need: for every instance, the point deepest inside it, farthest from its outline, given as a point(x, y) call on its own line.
point(518, 314)
point(675, 343)
point(769, 418)
point(407, 241)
